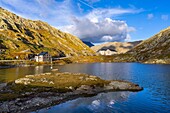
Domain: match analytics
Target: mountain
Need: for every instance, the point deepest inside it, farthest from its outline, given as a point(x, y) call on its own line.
point(88, 43)
point(19, 35)
point(114, 47)
point(155, 49)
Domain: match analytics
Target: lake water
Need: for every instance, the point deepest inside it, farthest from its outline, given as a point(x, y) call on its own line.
point(154, 78)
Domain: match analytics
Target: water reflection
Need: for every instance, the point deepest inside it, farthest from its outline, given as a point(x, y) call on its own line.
point(123, 71)
point(154, 78)
point(102, 103)
point(18, 72)
point(39, 69)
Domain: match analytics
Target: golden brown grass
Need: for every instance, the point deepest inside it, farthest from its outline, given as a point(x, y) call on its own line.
point(49, 82)
point(64, 80)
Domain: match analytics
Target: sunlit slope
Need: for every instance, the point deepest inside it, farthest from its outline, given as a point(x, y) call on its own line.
point(23, 35)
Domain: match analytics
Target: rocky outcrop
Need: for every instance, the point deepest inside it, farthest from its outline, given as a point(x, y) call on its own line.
point(155, 49)
point(18, 34)
point(35, 92)
point(114, 47)
point(157, 61)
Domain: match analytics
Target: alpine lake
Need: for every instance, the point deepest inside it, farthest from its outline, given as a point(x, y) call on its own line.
point(154, 78)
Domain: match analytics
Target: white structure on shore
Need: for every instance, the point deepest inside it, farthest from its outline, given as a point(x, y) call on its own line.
point(43, 57)
point(107, 52)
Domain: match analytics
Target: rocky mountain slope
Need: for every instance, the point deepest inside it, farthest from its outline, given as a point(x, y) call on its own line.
point(155, 49)
point(118, 47)
point(19, 35)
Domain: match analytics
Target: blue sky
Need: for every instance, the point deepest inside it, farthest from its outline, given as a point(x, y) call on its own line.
point(98, 21)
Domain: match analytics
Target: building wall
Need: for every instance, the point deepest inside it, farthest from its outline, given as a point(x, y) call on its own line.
point(107, 52)
point(36, 59)
point(41, 58)
point(47, 58)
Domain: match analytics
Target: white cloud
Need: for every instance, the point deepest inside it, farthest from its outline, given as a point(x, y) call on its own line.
point(95, 26)
point(102, 31)
point(107, 38)
point(52, 11)
point(92, 1)
point(150, 16)
point(81, 1)
point(111, 12)
point(79, 7)
point(164, 17)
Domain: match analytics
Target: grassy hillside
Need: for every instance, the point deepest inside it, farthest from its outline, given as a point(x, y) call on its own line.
point(21, 36)
point(156, 47)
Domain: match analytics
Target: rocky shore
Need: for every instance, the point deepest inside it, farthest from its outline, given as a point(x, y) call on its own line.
point(157, 61)
point(34, 92)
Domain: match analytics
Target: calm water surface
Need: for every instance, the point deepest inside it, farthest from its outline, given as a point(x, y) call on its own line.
point(154, 78)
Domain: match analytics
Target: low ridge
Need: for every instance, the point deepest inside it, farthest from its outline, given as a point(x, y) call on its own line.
point(115, 47)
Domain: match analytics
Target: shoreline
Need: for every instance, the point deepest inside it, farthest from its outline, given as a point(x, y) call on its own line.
point(35, 92)
point(121, 58)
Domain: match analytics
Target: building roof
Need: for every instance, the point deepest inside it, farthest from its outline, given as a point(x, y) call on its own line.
point(42, 53)
point(105, 48)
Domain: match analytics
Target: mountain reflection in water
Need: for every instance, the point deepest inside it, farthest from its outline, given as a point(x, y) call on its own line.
point(154, 78)
point(100, 103)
